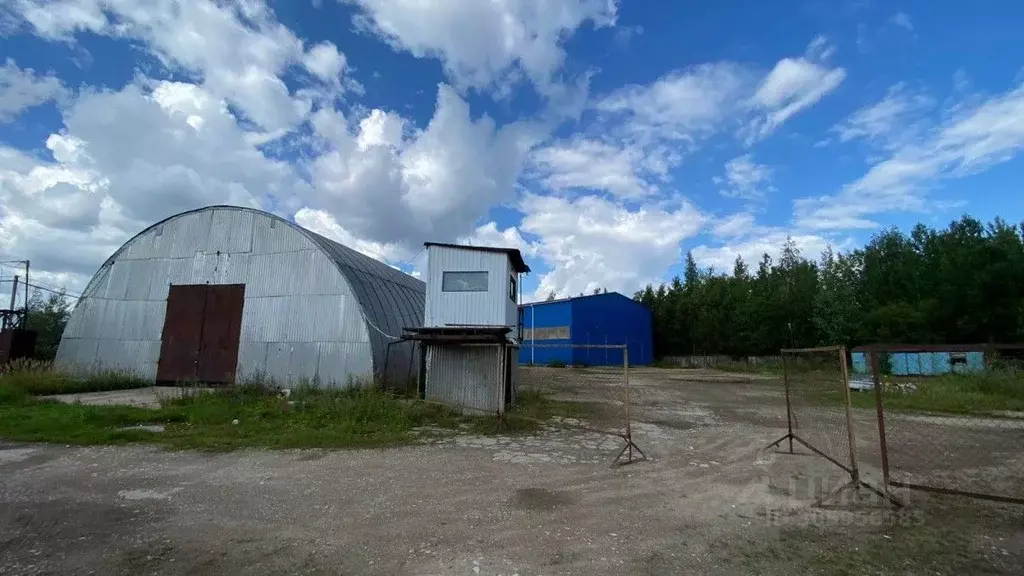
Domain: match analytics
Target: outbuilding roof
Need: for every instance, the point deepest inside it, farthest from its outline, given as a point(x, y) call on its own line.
point(518, 264)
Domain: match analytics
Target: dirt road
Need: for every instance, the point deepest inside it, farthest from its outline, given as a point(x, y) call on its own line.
point(705, 502)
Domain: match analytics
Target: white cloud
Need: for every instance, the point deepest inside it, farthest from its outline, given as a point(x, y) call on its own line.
point(752, 248)
point(682, 105)
point(434, 184)
point(734, 225)
point(485, 43)
point(490, 235)
point(325, 61)
point(793, 85)
point(902, 19)
point(326, 225)
point(584, 164)
point(642, 131)
point(21, 89)
point(240, 50)
point(746, 179)
point(973, 137)
point(591, 242)
point(122, 161)
point(888, 122)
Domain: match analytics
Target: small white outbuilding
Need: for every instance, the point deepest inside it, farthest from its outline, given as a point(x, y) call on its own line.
point(471, 329)
point(225, 294)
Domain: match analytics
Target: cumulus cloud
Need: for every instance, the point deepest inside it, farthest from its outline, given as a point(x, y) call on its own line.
point(585, 164)
point(433, 184)
point(239, 50)
point(123, 160)
point(24, 88)
point(485, 43)
point(591, 242)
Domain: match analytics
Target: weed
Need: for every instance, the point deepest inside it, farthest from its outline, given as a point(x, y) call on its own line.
point(40, 378)
point(307, 417)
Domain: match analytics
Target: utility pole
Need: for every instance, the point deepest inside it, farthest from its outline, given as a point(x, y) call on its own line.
point(14, 294)
point(24, 317)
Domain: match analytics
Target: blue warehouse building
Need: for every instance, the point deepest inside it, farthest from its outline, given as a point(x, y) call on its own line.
point(924, 359)
point(549, 328)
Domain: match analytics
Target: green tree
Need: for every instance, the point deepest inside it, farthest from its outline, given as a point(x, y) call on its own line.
point(47, 317)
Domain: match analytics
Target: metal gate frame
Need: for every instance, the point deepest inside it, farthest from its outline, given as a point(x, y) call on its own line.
point(876, 371)
point(852, 468)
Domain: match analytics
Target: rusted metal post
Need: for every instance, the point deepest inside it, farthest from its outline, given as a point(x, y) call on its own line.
point(789, 410)
point(629, 427)
point(849, 415)
point(503, 380)
point(876, 371)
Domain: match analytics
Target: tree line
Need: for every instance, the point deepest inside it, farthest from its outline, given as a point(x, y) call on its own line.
point(962, 284)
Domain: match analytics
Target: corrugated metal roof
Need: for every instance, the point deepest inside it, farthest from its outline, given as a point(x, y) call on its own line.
point(571, 298)
point(388, 298)
point(518, 264)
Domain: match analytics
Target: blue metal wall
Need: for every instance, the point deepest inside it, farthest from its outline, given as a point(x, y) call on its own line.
point(598, 319)
point(922, 363)
point(546, 315)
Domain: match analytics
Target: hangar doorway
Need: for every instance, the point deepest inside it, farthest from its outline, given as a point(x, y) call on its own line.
point(202, 327)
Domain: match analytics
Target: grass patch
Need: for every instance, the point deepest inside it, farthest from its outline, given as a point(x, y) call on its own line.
point(532, 410)
point(37, 378)
point(984, 393)
point(204, 420)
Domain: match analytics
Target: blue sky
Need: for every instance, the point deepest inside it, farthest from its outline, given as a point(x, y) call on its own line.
point(603, 138)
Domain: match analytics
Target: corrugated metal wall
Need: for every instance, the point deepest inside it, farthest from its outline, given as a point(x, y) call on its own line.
point(597, 319)
point(547, 315)
point(493, 307)
point(302, 318)
point(922, 363)
point(465, 377)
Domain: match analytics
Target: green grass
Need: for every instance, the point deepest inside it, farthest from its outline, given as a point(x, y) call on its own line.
point(308, 418)
point(533, 409)
point(39, 378)
point(976, 394)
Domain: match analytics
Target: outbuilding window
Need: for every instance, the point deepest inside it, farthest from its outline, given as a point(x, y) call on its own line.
point(512, 288)
point(464, 281)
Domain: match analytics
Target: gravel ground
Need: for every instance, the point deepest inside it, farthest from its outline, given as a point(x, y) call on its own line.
point(545, 504)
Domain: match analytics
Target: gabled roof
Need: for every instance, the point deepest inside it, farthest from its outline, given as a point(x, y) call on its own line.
point(518, 264)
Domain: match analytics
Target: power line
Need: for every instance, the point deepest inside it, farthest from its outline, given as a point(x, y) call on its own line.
point(61, 292)
point(49, 284)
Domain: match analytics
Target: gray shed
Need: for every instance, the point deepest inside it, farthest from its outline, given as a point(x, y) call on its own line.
point(225, 294)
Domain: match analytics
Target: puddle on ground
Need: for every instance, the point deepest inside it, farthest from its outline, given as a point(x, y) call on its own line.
point(541, 499)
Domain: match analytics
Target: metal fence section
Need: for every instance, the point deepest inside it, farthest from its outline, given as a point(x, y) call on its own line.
point(950, 431)
point(819, 412)
point(605, 389)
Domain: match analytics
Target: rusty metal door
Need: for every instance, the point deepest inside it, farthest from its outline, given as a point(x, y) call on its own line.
point(222, 327)
point(183, 331)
